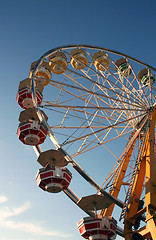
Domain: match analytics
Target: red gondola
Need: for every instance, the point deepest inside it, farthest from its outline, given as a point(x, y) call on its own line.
point(53, 179)
point(31, 133)
point(24, 95)
point(98, 228)
point(31, 130)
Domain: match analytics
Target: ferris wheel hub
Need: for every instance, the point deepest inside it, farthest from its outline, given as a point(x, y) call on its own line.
point(98, 99)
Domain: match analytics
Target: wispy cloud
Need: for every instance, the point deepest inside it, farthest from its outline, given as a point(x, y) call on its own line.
point(33, 228)
point(3, 199)
point(6, 212)
point(29, 227)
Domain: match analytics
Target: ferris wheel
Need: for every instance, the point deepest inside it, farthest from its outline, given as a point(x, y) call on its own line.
point(96, 102)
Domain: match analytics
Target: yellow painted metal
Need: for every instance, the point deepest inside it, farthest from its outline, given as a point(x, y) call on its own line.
point(151, 222)
point(135, 197)
point(144, 231)
point(136, 192)
point(150, 182)
point(139, 213)
point(147, 168)
point(119, 181)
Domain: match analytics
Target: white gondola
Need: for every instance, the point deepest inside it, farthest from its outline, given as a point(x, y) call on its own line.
point(146, 77)
point(123, 67)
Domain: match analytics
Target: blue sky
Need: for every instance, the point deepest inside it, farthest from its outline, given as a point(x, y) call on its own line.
point(29, 29)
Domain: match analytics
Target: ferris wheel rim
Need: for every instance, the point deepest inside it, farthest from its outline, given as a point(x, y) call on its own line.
point(93, 47)
point(56, 143)
point(78, 46)
point(110, 105)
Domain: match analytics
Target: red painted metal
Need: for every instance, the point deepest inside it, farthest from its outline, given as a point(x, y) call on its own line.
point(53, 179)
point(31, 133)
point(25, 100)
point(97, 228)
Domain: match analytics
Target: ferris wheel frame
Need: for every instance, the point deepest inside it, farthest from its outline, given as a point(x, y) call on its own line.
point(58, 146)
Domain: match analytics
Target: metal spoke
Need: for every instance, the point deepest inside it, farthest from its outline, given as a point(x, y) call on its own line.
point(94, 103)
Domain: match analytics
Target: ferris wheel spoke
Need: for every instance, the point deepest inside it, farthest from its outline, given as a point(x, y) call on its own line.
point(53, 83)
point(81, 97)
point(92, 97)
point(101, 87)
point(121, 83)
point(103, 129)
point(88, 77)
point(65, 116)
point(102, 117)
point(122, 157)
point(102, 141)
point(91, 121)
point(150, 95)
point(118, 97)
point(47, 104)
point(140, 87)
point(133, 88)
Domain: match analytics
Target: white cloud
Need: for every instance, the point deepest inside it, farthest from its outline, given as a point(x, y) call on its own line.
point(30, 239)
point(6, 212)
point(29, 227)
point(33, 228)
point(3, 199)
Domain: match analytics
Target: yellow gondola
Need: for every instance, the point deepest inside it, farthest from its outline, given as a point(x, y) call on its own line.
point(78, 58)
point(43, 71)
point(101, 60)
point(58, 62)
